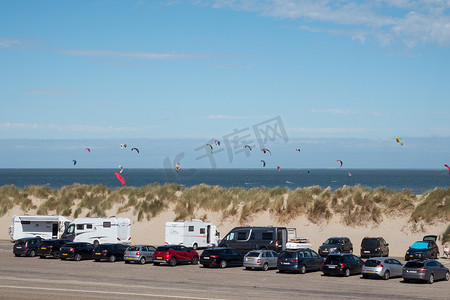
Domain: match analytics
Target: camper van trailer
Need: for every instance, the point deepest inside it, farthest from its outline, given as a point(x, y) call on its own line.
point(99, 230)
point(46, 227)
point(193, 234)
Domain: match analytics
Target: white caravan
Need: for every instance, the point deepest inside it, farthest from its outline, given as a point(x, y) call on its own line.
point(99, 230)
point(46, 227)
point(194, 234)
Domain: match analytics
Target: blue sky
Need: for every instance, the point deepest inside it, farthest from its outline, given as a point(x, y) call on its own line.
point(345, 78)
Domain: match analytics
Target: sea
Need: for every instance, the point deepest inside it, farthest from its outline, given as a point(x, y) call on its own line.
point(416, 181)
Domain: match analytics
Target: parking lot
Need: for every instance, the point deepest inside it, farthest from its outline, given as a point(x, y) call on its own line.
point(25, 277)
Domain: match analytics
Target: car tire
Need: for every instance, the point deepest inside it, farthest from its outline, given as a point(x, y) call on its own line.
point(265, 267)
point(194, 260)
point(56, 255)
point(173, 261)
point(17, 255)
point(97, 259)
point(431, 279)
point(365, 276)
point(405, 280)
point(156, 263)
point(41, 256)
point(195, 246)
point(347, 272)
point(447, 276)
point(205, 265)
point(302, 269)
point(281, 271)
point(112, 258)
point(326, 274)
point(77, 257)
point(386, 275)
point(142, 260)
point(223, 264)
point(127, 261)
point(32, 253)
point(63, 258)
point(248, 268)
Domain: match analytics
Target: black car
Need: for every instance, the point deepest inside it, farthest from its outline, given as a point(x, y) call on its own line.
point(77, 251)
point(342, 264)
point(336, 245)
point(27, 246)
point(221, 257)
point(374, 246)
point(301, 260)
point(51, 248)
point(422, 250)
point(110, 252)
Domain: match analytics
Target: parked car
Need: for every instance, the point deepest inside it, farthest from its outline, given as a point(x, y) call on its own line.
point(342, 264)
point(27, 246)
point(174, 254)
point(221, 257)
point(384, 267)
point(139, 253)
point(260, 259)
point(336, 245)
point(77, 251)
point(300, 260)
point(422, 250)
point(374, 246)
point(51, 248)
point(428, 270)
point(109, 252)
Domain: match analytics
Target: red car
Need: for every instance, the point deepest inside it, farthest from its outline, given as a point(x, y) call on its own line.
point(174, 254)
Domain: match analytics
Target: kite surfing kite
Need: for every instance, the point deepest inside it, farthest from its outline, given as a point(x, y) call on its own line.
point(265, 150)
point(88, 150)
point(264, 163)
point(217, 143)
point(247, 146)
point(120, 178)
point(210, 147)
point(297, 149)
point(137, 150)
point(278, 168)
point(340, 162)
point(123, 146)
point(448, 168)
point(74, 162)
point(177, 167)
point(399, 140)
point(120, 168)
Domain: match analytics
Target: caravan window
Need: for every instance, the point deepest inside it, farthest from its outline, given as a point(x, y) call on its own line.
point(191, 228)
point(80, 226)
point(202, 230)
point(242, 235)
point(106, 224)
point(88, 226)
point(267, 236)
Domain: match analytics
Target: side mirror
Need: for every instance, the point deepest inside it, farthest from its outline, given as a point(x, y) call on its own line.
point(387, 244)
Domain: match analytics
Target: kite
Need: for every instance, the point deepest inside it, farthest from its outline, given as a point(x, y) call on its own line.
point(399, 140)
point(217, 143)
point(211, 147)
point(120, 178)
point(278, 168)
point(177, 167)
point(264, 163)
point(123, 146)
point(88, 150)
point(74, 162)
point(349, 174)
point(137, 150)
point(297, 149)
point(247, 146)
point(340, 162)
point(448, 168)
point(120, 168)
point(266, 150)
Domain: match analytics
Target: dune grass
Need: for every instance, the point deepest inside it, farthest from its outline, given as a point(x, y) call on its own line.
point(433, 207)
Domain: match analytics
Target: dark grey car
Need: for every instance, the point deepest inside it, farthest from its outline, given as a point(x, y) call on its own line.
point(139, 253)
point(336, 245)
point(428, 270)
point(300, 260)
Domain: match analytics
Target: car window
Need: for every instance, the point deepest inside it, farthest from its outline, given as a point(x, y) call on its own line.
point(313, 254)
point(230, 236)
point(242, 235)
point(287, 254)
point(252, 254)
point(234, 252)
point(275, 254)
point(269, 254)
point(151, 248)
point(388, 261)
point(396, 262)
point(301, 254)
point(350, 259)
point(307, 253)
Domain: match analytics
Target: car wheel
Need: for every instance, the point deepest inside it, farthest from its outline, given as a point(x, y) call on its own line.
point(325, 274)
point(17, 255)
point(347, 272)
point(156, 264)
point(127, 261)
point(173, 261)
point(112, 258)
point(97, 259)
point(302, 269)
point(447, 276)
point(265, 267)
point(142, 260)
point(365, 276)
point(281, 271)
point(205, 265)
point(32, 253)
point(63, 258)
point(431, 279)
point(56, 255)
point(41, 256)
point(194, 260)
point(248, 268)
point(195, 246)
point(386, 275)
point(405, 280)
point(223, 264)
point(77, 257)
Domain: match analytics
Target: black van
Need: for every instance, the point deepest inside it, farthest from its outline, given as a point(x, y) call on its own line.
point(246, 238)
point(374, 246)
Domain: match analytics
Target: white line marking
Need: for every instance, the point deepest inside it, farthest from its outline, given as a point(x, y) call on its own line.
point(102, 292)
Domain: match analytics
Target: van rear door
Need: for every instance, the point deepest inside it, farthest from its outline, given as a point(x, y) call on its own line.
point(282, 236)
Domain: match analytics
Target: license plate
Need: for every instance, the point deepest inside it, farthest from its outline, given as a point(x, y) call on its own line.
point(286, 263)
point(412, 271)
point(331, 266)
point(368, 271)
point(64, 253)
point(130, 258)
point(206, 257)
point(325, 251)
point(411, 255)
point(19, 247)
point(366, 251)
point(43, 248)
point(98, 253)
point(250, 259)
point(159, 258)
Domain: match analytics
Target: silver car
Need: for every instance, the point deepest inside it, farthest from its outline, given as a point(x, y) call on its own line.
point(139, 253)
point(384, 267)
point(260, 259)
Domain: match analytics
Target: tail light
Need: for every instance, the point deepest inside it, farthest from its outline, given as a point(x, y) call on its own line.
point(379, 249)
point(129, 238)
point(323, 264)
point(278, 259)
point(258, 261)
point(26, 244)
point(72, 249)
point(50, 246)
point(295, 260)
point(118, 239)
point(125, 253)
point(361, 248)
point(276, 243)
point(380, 264)
point(421, 270)
point(342, 265)
point(214, 256)
point(404, 269)
point(105, 251)
point(138, 253)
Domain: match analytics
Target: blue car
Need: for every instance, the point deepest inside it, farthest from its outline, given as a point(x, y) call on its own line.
point(299, 261)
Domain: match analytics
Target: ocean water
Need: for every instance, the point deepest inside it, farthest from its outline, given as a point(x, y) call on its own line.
point(417, 181)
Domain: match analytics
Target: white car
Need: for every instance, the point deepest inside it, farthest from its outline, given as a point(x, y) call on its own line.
point(298, 243)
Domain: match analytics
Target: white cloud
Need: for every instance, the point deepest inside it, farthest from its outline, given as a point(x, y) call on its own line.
point(330, 130)
point(71, 128)
point(341, 111)
point(8, 43)
point(56, 92)
point(133, 55)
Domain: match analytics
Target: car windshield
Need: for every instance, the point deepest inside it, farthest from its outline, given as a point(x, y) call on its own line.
point(162, 248)
point(419, 245)
point(371, 263)
point(332, 241)
point(414, 264)
point(103, 247)
point(132, 248)
point(369, 243)
point(288, 254)
point(333, 259)
point(20, 242)
point(252, 254)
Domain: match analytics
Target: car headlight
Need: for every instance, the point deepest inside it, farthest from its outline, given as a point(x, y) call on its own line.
point(333, 249)
point(407, 252)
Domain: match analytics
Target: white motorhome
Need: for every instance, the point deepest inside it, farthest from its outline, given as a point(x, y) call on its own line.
point(46, 227)
point(194, 234)
point(99, 230)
